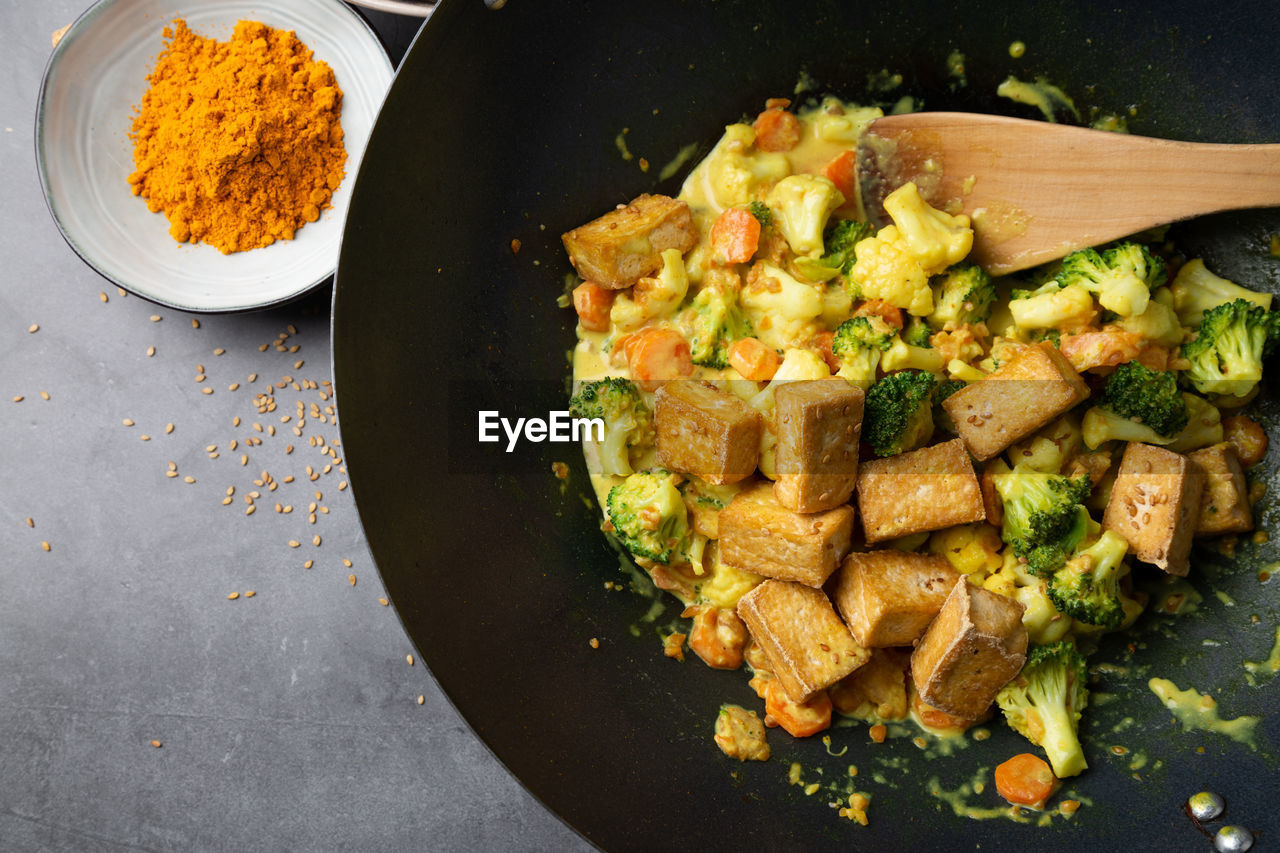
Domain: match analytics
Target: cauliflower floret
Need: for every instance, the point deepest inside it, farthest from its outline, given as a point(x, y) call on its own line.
point(836, 122)
point(783, 310)
point(1050, 448)
point(801, 205)
point(1158, 323)
point(936, 239)
point(734, 170)
point(651, 298)
point(1042, 620)
point(901, 356)
point(971, 548)
point(886, 270)
point(1064, 308)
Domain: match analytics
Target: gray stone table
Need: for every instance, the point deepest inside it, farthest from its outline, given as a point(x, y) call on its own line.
point(288, 720)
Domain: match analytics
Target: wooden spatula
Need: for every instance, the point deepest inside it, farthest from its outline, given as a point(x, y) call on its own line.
point(1036, 191)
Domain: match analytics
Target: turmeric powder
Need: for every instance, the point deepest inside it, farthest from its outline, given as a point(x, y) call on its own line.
point(239, 142)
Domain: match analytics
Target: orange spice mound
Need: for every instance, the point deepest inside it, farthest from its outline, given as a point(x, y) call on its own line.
point(239, 142)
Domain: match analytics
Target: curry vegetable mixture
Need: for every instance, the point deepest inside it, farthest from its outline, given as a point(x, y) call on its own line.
point(888, 484)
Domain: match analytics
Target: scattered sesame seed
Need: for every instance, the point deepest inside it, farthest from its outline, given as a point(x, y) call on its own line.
point(253, 377)
point(294, 543)
point(231, 490)
point(31, 522)
point(127, 422)
point(315, 540)
point(233, 596)
point(144, 438)
point(151, 351)
point(155, 318)
point(219, 351)
point(421, 698)
point(346, 563)
point(44, 395)
point(235, 421)
point(171, 473)
point(308, 564)
point(351, 579)
point(408, 659)
point(342, 486)
point(297, 364)
point(19, 398)
point(33, 328)
point(292, 329)
point(234, 386)
point(383, 602)
point(250, 594)
point(195, 324)
point(168, 429)
point(206, 390)
point(226, 501)
point(46, 546)
point(157, 744)
point(188, 479)
point(249, 509)
point(102, 295)
point(594, 643)
point(121, 291)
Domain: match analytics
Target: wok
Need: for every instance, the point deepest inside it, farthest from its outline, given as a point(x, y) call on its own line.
point(512, 125)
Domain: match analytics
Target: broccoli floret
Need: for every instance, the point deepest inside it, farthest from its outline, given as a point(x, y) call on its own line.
point(761, 212)
point(1226, 355)
point(898, 413)
point(1195, 290)
point(1204, 427)
point(1146, 396)
point(649, 515)
point(1043, 704)
point(917, 333)
point(965, 296)
point(1087, 588)
point(838, 253)
point(1122, 276)
point(715, 321)
point(858, 344)
point(628, 423)
point(1044, 516)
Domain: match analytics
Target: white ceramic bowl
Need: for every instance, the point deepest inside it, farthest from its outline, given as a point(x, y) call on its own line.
point(95, 79)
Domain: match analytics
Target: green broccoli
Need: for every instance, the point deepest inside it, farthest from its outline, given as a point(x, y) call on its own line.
point(761, 212)
point(649, 515)
point(628, 423)
point(965, 296)
point(1122, 276)
point(1087, 588)
point(1044, 702)
point(944, 389)
point(1146, 396)
point(837, 251)
point(1226, 355)
point(1044, 516)
point(715, 321)
point(1195, 290)
point(858, 344)
point(898, 413)
point(1203, 428)
point(917, 333)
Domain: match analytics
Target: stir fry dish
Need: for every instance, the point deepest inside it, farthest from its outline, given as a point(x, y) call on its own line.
point(883, 483)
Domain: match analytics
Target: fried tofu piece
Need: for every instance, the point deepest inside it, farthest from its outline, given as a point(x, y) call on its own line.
point(1028, 391)
point(972, 649)
point(760, 535)
point(926, 489)
point(1224, 504)
point(889, 597)
point(819, 425)
point(707, 433)
point(807, 646)
point(1155, 505)
point(617, 249)
point(877, 689)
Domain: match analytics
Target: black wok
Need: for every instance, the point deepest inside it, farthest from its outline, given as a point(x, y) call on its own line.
point(510, 125)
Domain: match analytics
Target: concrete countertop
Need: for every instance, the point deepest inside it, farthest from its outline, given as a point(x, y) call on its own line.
point(289, 720)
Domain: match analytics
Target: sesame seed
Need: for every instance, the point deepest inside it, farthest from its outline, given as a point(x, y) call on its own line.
point(346, 563)
point(206, 390)
point(351, 579)
point(151, 351)
point(231, 490)
point(249, 509)
point(168, 429)
point(408, 659)
point(127, 422)
point(33, 328)
point(219, 351)
point(308, 564)
point(188, 479)
point(44, 395)
point(31, 522)
point(155, 318)
point(250, 594)
point(594, 643)
point(315, 540)
point(235, 421)
point(292, 329)
point(157, 744)
point(297, 364)
point(421, 698)
point(253, 377)
point(288, 508)
point(234, 386)
point(233, 596)
point(171, 473)
point(226, 501)
point(144, 438)
point(173, 466)
point(120, 290)
point(19, 398)
point(46, 546)
point(294, 543)
point(102, 295)
point(195, 324)
point(383, 602)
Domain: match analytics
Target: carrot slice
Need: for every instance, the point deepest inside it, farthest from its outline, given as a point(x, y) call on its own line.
point(776, 130)
point(823, 342)
point(1025, 780)
point(798, 719)
point(879, 308)
point(753, 359)
point(657, 355)
point(842, 171)
point(735, 236)
point(593, 303)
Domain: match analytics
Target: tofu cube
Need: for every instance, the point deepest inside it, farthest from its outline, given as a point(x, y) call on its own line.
point(972, 649)
point(889, 597)
point(807, 646)
point(819, 425)
point(707, 433)
point(1155, 505)
point(926, 489)
point(1224, 505)
point(760, 535)
point(1032, 388)
point(617, 249)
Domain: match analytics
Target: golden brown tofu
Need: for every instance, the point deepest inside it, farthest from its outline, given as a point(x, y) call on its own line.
point(760, 535)
point(877, 689)
point(617, 249)
point(973, 648)
point(806, 644)
point(889, 597)
point(704, 432)
point(1224, 505)
point(819, 424)
point(1032, 388)
point(1155, 505)
point(926, 489)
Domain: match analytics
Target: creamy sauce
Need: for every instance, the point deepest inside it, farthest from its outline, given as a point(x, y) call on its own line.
point(1199, 712)
point(1259, 671)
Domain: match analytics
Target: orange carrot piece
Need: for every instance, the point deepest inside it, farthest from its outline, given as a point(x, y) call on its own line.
point(823, 342)
point(735, 236)
point(1025, 780)
point(593, 302)
point(879, 308)
point(753, 359)
point(798, 719)
point(657, 355)
point(842, 171)
point(776, 130)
